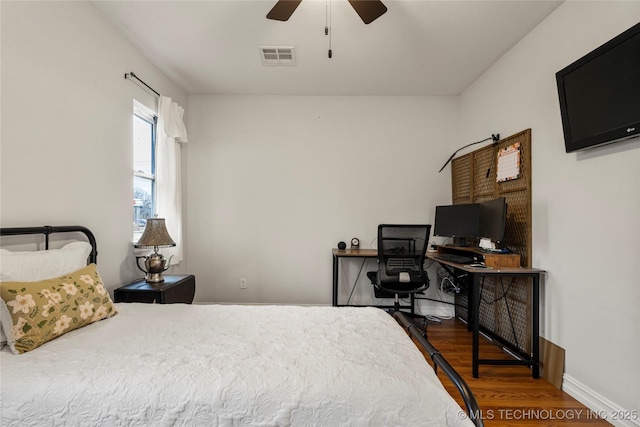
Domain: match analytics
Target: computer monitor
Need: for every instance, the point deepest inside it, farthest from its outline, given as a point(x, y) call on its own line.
point(493, 219)
point(459, 221)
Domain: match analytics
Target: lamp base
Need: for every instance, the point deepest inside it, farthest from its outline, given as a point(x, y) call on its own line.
point(154, 278)
point(155, 265)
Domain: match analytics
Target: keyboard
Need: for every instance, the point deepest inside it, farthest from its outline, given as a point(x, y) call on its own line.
point(458, 259)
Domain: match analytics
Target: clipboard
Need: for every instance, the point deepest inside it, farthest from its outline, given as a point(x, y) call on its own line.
point(508, 163)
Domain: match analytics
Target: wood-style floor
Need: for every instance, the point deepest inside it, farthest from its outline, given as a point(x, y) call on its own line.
point(507, 395)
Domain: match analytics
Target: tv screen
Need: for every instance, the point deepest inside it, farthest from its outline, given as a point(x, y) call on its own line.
point(493, 219)
point(599, 94)
point(460, 221)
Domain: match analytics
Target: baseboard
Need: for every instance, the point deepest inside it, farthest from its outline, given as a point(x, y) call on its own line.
point(600, 405)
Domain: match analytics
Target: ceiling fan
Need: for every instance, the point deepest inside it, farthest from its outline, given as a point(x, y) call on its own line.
point(368, 10)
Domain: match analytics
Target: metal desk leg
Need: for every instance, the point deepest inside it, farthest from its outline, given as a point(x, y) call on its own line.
point(335, 281)
point(474, 317)
point(535, 345)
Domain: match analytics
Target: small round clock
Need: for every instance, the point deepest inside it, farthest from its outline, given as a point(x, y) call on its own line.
point(342, 245)
point(355, 243)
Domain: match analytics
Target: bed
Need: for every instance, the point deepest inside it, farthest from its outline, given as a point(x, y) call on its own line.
point(222, 365)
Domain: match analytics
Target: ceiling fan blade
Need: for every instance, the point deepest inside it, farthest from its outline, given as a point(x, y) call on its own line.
point(368, 10)
point(283, 10)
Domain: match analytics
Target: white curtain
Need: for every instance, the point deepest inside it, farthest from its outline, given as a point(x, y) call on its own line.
point(171, 134)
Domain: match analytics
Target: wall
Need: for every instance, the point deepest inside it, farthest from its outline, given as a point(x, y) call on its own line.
point(276, 181)
point(66, 124)
point(586, 206)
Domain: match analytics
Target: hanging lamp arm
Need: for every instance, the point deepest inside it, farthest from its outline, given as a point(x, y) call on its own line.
point(494, 137)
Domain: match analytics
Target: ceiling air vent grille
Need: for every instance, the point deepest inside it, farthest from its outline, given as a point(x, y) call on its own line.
point(278, 55)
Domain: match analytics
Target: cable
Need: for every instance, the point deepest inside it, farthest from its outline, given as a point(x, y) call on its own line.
point(486, 179)
point(372, 242)
point(443, 298)
point(442, 295)
point(445, 278)
point(452, 288)
point(452, 312)
point(504, 292)
point(494, 137)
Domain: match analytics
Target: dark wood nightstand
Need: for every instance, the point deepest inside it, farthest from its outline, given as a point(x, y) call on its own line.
point(174, 289)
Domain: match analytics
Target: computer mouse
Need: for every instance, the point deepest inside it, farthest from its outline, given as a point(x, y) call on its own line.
point(478, 266)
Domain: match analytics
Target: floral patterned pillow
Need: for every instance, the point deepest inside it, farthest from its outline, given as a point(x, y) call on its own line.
point(37, 312)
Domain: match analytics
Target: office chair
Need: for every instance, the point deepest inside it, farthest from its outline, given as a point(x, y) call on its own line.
point(401, 253)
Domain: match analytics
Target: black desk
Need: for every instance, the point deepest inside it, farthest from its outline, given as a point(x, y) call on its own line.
point(358, 253)
point(477, 274)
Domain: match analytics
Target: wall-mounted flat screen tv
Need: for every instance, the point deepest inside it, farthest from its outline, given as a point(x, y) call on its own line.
point(600, 94)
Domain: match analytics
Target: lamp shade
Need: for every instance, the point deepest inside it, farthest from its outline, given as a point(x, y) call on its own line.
point(155, 235)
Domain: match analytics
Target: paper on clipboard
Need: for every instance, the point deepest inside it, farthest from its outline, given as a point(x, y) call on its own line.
point(508, 163)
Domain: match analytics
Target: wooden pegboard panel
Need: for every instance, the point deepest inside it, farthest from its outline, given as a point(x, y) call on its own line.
point(518, 227)
point(473, 178)
point(461, 171)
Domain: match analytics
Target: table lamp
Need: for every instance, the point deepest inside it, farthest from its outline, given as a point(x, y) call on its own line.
point(155, 236)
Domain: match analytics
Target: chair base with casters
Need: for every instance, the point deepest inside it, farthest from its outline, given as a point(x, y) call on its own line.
point(401, 254)
point(382, 293)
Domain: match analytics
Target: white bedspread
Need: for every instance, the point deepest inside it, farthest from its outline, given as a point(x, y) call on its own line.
point(216, 365)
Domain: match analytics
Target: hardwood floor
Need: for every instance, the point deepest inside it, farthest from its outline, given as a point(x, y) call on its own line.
point(507, 395)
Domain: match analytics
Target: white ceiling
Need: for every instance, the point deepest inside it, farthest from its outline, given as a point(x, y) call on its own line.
point(419, 47)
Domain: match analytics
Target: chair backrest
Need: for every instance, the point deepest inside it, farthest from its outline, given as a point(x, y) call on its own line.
point(402, 247)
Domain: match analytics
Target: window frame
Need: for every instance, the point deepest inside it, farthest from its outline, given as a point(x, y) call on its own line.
point(146, 114)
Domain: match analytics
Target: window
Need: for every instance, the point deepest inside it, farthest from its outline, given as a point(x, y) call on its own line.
point(144, 167)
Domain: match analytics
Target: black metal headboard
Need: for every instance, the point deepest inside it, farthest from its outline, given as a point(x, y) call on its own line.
point(49, 229)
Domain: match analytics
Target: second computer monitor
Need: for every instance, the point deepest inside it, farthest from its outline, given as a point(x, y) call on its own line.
point(493, 219)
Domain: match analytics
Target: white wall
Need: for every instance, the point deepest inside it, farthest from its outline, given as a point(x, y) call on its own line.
point(276, 182)
point(67, 124)
point(586, 206)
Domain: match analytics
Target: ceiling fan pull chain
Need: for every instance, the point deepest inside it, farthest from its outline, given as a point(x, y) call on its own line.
point(326, 19)
point(327, 27)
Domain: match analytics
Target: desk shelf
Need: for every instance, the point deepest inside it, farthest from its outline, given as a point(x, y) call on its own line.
point(491, 259)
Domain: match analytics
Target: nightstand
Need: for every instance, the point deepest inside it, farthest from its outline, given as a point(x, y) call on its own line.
point(174, 289)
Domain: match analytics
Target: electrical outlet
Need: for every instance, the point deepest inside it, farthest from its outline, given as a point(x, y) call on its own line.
point(243, 283)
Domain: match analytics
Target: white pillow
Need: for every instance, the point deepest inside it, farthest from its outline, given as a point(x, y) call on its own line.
point(33, 266)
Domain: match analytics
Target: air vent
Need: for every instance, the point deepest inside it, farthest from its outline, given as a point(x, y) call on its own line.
point(278, 55)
